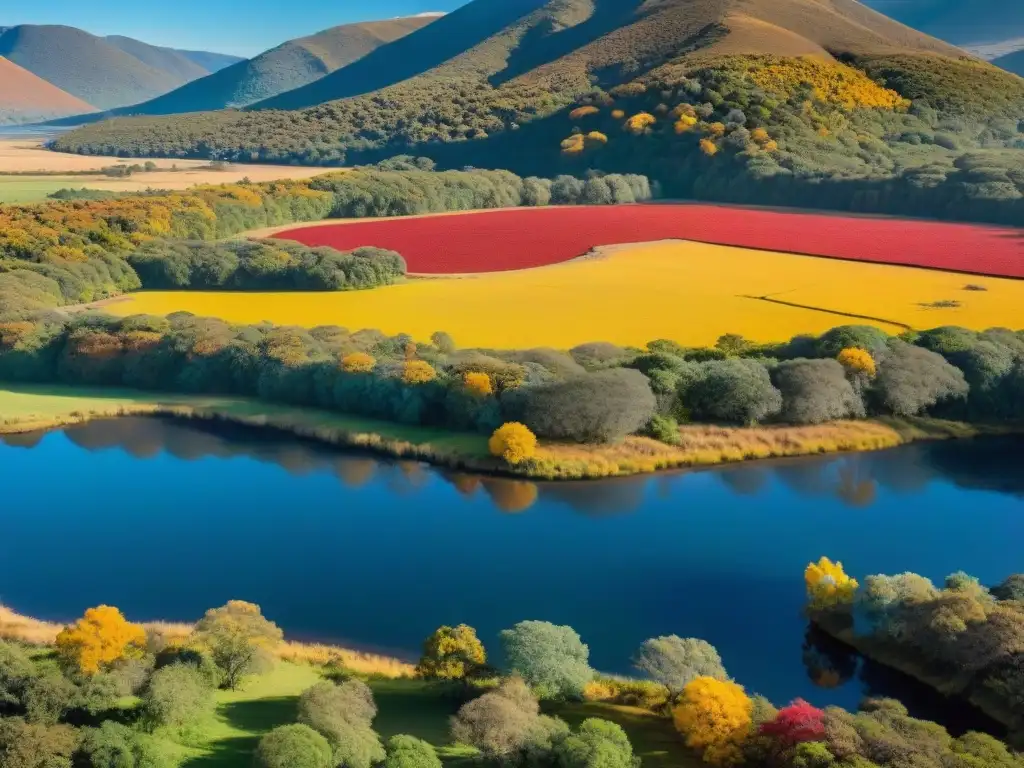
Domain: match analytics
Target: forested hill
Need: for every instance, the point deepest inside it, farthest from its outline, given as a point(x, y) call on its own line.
point(728, 99)
point(288, 66)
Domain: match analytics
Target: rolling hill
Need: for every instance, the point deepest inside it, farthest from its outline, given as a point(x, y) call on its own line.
point(105, 72)
point(727, 99)
point(288, 66)
point(25, 97)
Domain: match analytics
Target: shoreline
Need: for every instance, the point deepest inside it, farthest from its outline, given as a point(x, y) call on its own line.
point(887, 656)
point(702, 446)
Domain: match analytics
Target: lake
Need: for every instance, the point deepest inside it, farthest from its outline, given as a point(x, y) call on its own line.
point(165, 519)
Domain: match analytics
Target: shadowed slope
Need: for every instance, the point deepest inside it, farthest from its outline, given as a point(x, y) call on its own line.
point(164, 59)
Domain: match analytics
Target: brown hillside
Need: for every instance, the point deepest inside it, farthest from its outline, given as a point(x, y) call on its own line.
point(24, 96)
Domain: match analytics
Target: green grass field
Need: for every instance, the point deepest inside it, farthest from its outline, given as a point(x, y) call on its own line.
point(42, 406)
point(407, 706)
point(29, 189)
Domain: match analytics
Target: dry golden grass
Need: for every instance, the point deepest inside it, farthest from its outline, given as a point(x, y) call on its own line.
point(23, 629)
point(25, 157)
point(689, 292)
point(706, 445)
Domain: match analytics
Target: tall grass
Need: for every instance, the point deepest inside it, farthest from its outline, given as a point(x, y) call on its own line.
point(23, 629)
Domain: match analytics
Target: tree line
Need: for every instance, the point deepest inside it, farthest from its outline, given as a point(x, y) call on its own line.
point(593, 393)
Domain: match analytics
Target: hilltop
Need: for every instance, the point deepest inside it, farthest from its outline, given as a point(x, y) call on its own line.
point(288, 66)
point(24, 97)
point(104, 72)
point(727, 99)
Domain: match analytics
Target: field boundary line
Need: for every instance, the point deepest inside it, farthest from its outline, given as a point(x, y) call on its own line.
point(837, 312)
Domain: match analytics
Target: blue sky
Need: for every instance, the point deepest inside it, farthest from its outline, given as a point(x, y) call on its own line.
point(241, 27)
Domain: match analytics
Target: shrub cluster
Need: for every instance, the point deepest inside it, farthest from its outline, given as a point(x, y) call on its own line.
point(261, 265)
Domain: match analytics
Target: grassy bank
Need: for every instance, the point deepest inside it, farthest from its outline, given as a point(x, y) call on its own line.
point(909, 663)
point(25, 408)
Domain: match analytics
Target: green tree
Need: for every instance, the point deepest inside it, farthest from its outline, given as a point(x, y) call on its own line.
point(176, 696)
point(114, 745)
point(410, 752)
point(597, 744)
point(16, 671)
point(31, 745)
point(48, 696)
point(294, 746)
point(553, 659)
point(674, 661)
point(451, 653)
point(239, 639)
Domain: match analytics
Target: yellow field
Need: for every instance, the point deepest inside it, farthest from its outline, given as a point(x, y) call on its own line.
point(690, 292)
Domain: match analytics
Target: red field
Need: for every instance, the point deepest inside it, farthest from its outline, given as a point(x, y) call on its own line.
point(493, 241)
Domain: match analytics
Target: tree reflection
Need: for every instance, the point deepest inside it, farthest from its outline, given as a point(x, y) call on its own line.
point(354, 472)
point(511, 496)
point(23, 439)
point(746, 481)
point(829, 663)
point(600, 497)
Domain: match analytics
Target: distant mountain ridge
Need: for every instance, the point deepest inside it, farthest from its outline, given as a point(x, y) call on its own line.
point(104, 72)
point(290, 65)
point(961, 22)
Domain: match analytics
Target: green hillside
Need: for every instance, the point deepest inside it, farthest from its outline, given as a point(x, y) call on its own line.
point(849, 109)
point(291, 65)
point(84, 65)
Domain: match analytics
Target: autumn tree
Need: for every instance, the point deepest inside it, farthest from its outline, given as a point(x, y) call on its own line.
point(239, 639)
point(715, 717)
point(451, 653)
point(513, 442)
point(828, 586)
point(478, 383)
point(98, 639)
point(358, 362)
point(418, 372)
point(796, 723)
point(639, 123)
point(708, 147)
point(857, 361)
point(675, 661)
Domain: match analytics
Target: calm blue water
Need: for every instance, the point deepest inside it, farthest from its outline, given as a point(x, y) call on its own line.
point(165, 519)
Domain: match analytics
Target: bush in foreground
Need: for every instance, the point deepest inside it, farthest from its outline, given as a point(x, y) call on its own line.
point(114, 745)
point(410, 752)
point(294, 746)
point(177, 695)
point(500, 722)
point(344, 714)
point(715, 717)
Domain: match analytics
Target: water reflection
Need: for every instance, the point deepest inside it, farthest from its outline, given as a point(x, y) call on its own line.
point(853, 479)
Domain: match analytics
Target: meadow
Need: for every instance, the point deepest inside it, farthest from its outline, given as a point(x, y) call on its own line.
point(692, 293)
point(29, 173)
point(524, 238)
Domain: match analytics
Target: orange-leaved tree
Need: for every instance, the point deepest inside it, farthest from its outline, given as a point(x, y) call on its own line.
point(708, 147)
point(418, 372)
point(358, 362)
point(451, 653)
point(98, 639)
point(640, 122)
point(828, 586)
point(858, 361)
point(584, 111)
point(513, 442)
point(478, 383)
point(715, 717)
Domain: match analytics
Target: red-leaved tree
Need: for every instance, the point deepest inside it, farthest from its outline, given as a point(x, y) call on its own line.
point(796, 723)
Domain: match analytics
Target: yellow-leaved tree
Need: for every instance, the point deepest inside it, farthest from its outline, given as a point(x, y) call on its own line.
point(478, 383)
point(828, 585)
point(574, 144)
point(715, 717)
point(640, 122)
point(418, 372)
point(451, 653)
point(708, 147)
point(98, 639)
point(513, 442)
point(358, 362)
point(583, 111)
point(858, 361)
